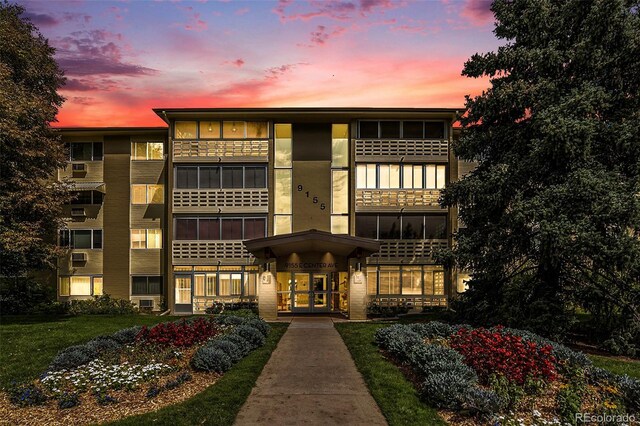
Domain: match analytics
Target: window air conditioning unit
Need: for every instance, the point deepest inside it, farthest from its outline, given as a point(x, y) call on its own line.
point(146, 303)
point(78, 212)
point(78, 257)
point(79, 167)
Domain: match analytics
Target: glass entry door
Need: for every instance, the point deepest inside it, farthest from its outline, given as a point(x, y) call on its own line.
point(320, 293)
point(183, 302)
point(310, 292)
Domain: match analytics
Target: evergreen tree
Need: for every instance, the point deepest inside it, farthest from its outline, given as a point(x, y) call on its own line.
point(30, 151)
point(552, 212)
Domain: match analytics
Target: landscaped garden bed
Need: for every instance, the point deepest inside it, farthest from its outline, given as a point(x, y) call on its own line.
point(505, 376)
point(133, 371)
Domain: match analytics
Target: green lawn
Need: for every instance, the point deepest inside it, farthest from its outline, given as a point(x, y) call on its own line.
point(395, 395)
point(29, 343)
point(617, 366)
point(218, 404)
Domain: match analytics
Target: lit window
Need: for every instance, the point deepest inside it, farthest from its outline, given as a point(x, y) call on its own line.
point(340, 145)
point(186, 129)
point(209, 130)
point(154, 238)
point(146, 238)
point(139, 194)
point(147, 194)
point(283, 145)
point(282, 191)
point(257, 129)
point(436, 176)
point(340, 191)
point(80, 286)
point(233, 129)
point(147, 150)
point(411, 280)
point(339, 224)
point(411, 176)
point(97, 286)
point(64, 286)
point(281, 224)
point(389, 176)
point(138, 239)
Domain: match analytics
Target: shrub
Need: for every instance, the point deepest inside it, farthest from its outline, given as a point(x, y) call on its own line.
point(496, 352)
point(180, 334)
point(68, 400)
point(228, 320)
point(430, 330)
point(241, 311)
point(259, 324)
point(510, 393)
point(622, 342)
point(103, 398)
point(482, 401)
point(253, 336)
point(102, 305)
point(244, 347)
point(569, 403)
point(103, 344)
point(212, 360)
point(398, 340)
point(630, 389)
point(126, 335)
point(182, 378)
point(26, 295)
point(153, 391)
point(228, 347)
point(26, 395)
point(72, 357)
point(445, 390)
point(431, 359)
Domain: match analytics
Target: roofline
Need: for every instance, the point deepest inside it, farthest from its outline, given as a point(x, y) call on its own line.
point(110, 129)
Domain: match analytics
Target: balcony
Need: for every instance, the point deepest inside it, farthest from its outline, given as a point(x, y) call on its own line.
point(411, 251)
point(209, 252)
point(221, 150)
point(221, 200)
point(395, 149)
point(374, 200)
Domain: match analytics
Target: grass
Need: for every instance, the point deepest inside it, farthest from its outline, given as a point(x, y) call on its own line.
point(29, 343)
point(617, 366)
point(395, 395)
point(218, 404)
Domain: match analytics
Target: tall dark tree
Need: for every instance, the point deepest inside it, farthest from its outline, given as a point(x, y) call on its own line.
point(552, 212)
point(30, 152)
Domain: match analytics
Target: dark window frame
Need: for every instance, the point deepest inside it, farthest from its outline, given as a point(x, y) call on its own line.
point(402, 136)
point(147, 285)
point(66, 238)
point(401, 227)
point(93, 196)
point(220, 176)
point(220, 224)
point(100, 157)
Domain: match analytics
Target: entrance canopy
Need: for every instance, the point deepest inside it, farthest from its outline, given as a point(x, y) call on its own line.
point(311, 241)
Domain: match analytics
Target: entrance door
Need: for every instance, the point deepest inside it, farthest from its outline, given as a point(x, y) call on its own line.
point(183, 300)
point(320, 294)
point(310, 292)
point(300, 292)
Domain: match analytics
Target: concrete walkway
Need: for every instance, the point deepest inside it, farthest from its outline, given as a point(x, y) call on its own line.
point(310, 379)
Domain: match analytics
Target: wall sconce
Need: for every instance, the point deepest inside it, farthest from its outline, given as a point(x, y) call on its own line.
point(358, 267)
point(267, 267)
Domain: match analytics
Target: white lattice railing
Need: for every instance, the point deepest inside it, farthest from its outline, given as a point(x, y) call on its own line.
point(209, 250)
point(249, 200)
point(397, 197)
point(409, 249)
point(225, 149)
point(402, 147)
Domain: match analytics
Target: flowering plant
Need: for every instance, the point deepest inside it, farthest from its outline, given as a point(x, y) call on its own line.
point(497, 352)
point(180, 334)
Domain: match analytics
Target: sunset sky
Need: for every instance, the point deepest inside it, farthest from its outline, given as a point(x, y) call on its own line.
point(123, 58)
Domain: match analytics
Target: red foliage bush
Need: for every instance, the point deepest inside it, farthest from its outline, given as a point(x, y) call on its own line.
point(179, 334)
point(496, 352)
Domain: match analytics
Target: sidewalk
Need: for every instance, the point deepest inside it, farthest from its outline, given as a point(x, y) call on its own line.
point(310, 379)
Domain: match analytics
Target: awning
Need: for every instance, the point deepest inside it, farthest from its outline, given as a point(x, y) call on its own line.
point(312, 241)
point(88, 186)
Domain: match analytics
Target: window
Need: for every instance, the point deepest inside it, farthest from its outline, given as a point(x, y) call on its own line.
point(406, 280)
point(412, 176)
point(147, 194)
point(339, 224)
point(389, 129)
point(394, 176)
point(434, 130)
point(372, 280)
point(433, 281)
point(85, 151)
point(389, 176)
point(86, 197)
point(339, 191)
point(435, 176)
point(435, 227)
point(209, 130)
point(369, 129)
point(406, 226)
point(389, 280)
point(215, 228)
point(146, 285)
point(257, 129)
point(77, 285)
point(147, 150)
point(283, 145)
point(146, 238)
point(412, 129)
point(402, 130)
point(411, 280)
point(233, 129)
point(81, 238)
point(389, 227)
point(185, 130)
point(282, 191)
point(226, 177)
point(340, 145)
point(282, 224)
point(230, 284)
point(412, 227)
point(367, 226)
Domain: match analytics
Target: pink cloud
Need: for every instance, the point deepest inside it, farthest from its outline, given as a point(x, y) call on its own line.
point(320, 36)
point(339, 10)
point(478, 12)
point(242, 11)
point(238, 62)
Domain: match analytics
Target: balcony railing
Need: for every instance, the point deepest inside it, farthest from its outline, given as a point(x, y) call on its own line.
point(415, 149)
point(205, 252)
point(378, 199)
point(408, 250)
point(221, 200)
point(221, 150)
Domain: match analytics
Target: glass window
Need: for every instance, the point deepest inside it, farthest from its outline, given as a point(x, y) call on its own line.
point(155, 284)
point(339, 224)
point(411, 280)
point(389, 129)
point(233, 129)
point(369, 129)
point(65, 238)
point(254, 228)
point(441, 176)
point(138, 239)
point(186, 229)
point(97, 286)
point(81, 197)
point(154, 238)
point(412, 227)
point(209, 177)
point(224, 288)
point(139, 286)
point(80, 286)
point(257, 129)
point(198, 284)
point(389, 280)
point(232, 177)
point(155, 194)
point(389, 227)
point(371, 176)
point(97, 151)
point(282, 224)
point(185, 129)
point(434, 130)
point(372, 280)
point(209, 130)
point(81, 151)
point(231, 229)
point(431, 176)
point(210, 287)
point(139, 150)
point(97, 238)
point(236, 284)
point(183, 289)
point(64, 286)
point(361, 176)
point(412, 130)
point(340, 145)
point(138, 194)
point(186, 177)
point(412, 176)
point(81, 239)
point(383, 173)
point(208, 229)
point(282, 145)
point(255, 177)
point(250, 280)
point(367, 226)
point(282, 191)
point(340, 191)
point(147, 150)
point(438, 283)
point(435, 227)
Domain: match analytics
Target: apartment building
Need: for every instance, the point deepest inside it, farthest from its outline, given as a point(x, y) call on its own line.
point(300, 210)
